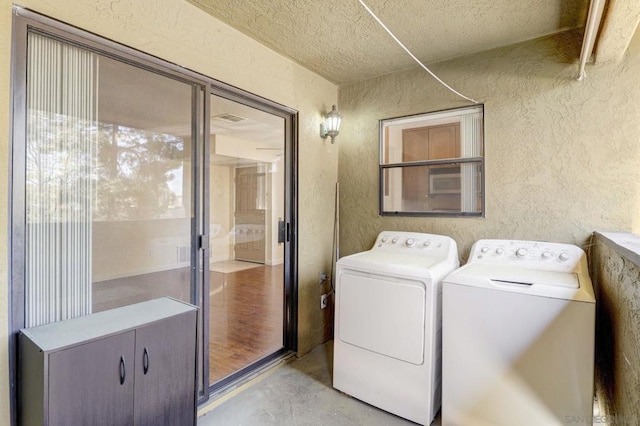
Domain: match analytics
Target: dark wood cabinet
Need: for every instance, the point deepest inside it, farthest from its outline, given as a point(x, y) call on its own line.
point(134, 365)
point(92, 369)
point(160, 376)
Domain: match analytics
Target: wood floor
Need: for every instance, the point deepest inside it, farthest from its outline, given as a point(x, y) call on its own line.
point(128, 290)
point(246, 310)
point(246, 318)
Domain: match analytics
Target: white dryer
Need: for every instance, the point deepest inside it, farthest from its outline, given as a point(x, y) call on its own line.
point(518, 336)
point(387, 345)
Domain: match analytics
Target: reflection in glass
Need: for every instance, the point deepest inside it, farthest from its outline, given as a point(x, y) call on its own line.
point(138, 174)
point(246, 299)
point(431, 163)
point(142, 173)
point(443, 188)
point(108, 205)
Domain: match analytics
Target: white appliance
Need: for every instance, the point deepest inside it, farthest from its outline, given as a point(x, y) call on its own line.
point(387, 345)
point(445, 180)
point(518, 336)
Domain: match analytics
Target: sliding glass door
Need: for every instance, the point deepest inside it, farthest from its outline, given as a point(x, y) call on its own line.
point(108, 183)
point(106, 188)
point(132, 181)
point(247, 287)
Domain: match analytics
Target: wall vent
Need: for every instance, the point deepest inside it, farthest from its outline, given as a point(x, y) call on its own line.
point(229, 117)
point(184, 254)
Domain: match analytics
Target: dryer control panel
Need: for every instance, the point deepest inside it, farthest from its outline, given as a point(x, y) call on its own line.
point(414, 243)
point(529, 254)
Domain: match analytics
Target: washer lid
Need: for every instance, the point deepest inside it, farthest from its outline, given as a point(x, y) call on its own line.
point(560, 285)
point(521, 276)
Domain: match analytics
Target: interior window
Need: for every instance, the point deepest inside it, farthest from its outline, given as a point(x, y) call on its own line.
point(432, 164)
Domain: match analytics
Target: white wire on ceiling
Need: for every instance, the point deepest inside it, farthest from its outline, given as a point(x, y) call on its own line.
point(413, 56)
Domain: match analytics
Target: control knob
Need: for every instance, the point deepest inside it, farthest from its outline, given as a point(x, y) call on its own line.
point(385, 239)
point(547, 255)
point(395, 240)
point(499, 251)
point(521, 252)
point(564, 257)
point(410, 242)
point(484, 249)
point(427, 243)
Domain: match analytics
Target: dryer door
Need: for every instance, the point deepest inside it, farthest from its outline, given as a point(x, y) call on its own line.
point(383, 314)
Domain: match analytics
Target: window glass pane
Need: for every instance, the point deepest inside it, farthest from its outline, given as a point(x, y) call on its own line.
point(108, 183)
point(433, 136)
point(423, 178)
point(443, 189)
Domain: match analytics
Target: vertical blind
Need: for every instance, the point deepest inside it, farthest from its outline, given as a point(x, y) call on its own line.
point(471, 144)
point(61, 138)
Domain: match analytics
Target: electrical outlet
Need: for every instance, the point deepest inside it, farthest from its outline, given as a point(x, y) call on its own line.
point(323, 277)
point(324, 299)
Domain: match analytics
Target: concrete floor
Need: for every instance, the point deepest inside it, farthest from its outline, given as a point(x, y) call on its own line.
point(298, 393)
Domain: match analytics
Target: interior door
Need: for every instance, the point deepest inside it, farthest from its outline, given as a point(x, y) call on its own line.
point(250, 223)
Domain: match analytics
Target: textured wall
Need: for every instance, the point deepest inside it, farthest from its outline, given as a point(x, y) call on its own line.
point(561, 155)
point(616, 279)
point(179, 32)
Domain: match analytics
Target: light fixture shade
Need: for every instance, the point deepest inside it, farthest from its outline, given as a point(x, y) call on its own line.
point(331, 124)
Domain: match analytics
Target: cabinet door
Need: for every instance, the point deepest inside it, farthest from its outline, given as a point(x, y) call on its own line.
point(415, 180)
point(444, 141)
point(92, 384)
point(166, 372)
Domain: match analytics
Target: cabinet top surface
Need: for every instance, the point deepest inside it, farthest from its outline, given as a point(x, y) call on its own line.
point(59, 335)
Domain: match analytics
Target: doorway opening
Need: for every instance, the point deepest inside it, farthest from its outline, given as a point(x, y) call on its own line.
point(247, 253)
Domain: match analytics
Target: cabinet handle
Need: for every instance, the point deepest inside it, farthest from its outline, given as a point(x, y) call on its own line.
point(145, 361)
point(123, 370)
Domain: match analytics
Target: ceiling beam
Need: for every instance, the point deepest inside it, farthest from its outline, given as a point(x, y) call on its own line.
point(620, 24)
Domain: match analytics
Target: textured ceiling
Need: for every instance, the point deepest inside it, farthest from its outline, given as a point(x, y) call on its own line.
point(341, 41)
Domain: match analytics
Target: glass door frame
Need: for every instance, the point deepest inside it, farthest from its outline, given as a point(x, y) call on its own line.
point(203, 87)
point(290, 307)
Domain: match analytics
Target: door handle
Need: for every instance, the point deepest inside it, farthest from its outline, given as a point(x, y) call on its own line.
point(145, 361)
point(123, 370)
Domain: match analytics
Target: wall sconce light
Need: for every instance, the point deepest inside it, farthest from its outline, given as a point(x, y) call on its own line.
point(331, 125)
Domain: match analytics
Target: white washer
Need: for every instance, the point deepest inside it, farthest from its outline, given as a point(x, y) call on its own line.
point(518, 336)
point(387, 345)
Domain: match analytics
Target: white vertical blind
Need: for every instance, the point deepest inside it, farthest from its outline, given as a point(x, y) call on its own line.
point(471, 144)
point(61, 136)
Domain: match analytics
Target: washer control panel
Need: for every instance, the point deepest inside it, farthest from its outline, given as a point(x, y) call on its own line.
point(533, 254)
point(413, 242)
